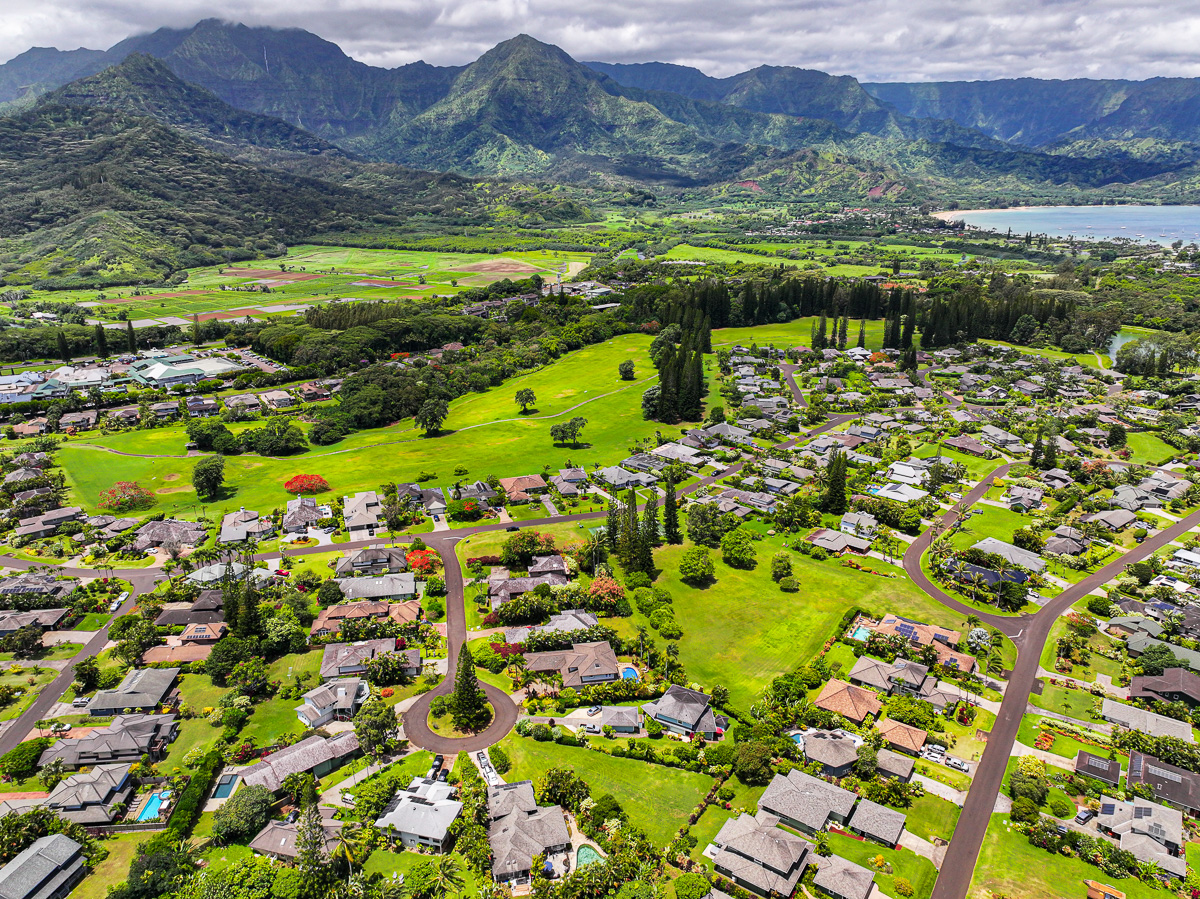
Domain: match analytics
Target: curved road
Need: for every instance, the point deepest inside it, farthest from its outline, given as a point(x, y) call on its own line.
point(1028, 633)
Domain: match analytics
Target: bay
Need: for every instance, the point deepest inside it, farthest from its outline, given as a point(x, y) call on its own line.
point(1158, 224)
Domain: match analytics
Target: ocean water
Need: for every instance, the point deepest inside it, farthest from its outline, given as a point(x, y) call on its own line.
point(1160, 224)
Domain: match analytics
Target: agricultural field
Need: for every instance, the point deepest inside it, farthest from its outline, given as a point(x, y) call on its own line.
point(310, 275)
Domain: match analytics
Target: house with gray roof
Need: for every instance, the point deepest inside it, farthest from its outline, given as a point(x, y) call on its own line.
point(337, 700)
point(245, 524)
point(894, 764)
point(278, 840)
point(1152, 832)
point(877, 822)
point(1132, 718)
point(421, 815)
point(92, 798)
point(314, 755)
point(300, 514)
point(49, 868)
point(1014, 555)
point(43, 619)
point(521, 829)
point(398, 587)
point(835, 751)
point(805, 802)
point(350, 659)
point(142, 690)
point(684, 711)
point(560, 623)
point(361, 512)
point(371, 560)
point(758, 855)
point(126, 739)
point(840, 879)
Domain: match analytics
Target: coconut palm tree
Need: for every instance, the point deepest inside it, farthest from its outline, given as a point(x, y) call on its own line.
point(672, 652)
point(351, 847)
point(447, 876)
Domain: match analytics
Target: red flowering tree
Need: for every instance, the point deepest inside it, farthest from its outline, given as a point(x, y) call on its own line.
point(125, 496)
point(604, 592)
point(306, 483)
point(424, 561)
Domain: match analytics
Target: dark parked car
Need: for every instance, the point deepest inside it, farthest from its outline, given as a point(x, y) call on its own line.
point(512, 527)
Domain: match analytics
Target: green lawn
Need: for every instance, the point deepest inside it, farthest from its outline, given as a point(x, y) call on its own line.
point(1008, 865)
point(789, 334)
point(1072, 703)
point(931, 816)
point(93, 621)
point(918, 870)
point(111, 871)
point(484, 434)
point(1065, 746)
point(1148, 449)
point(657, 799)
point(1096, 663)
point(966, 744)
point(385, 862)
point(994, 522)
point(742, 630)
point(199, 692)
point(300, 664)
point(192, 733)
point(271, 720)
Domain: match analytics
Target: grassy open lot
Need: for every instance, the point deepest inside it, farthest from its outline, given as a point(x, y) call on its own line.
point(1096, 663)
point(742, 630)
point(484, 434)
point(199, 692)
point(192, 733)
point(121, 850)
point(794, 333)
point(919, 870)
point(1008, 865)
point(1072, 703)
point(745, 800)
point(931, 816)
point(993, 522)
point(966, 744)
point(657, 799)
point(1148, 449)
point(22, 682)
point(976, 467)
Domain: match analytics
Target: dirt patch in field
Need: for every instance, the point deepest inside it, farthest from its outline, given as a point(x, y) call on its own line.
point(501, 265)
point(185, 488)
point(171, 477)
point(206, 316)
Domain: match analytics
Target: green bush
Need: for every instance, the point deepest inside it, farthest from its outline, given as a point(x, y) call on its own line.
point(22, 762)
point(1061, 808)
point(1100, 606)
point(500, 760)
point(1024, 810)
point(692, 886)
point(903, 887)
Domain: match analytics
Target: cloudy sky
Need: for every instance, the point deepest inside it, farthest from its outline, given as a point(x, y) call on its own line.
point(874, 40)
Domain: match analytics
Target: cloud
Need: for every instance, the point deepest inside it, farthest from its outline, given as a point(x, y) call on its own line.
point(874, 40)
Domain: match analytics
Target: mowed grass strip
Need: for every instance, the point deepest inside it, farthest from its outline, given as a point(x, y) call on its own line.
point(657, 799)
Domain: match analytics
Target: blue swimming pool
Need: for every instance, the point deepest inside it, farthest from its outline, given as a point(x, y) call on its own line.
point(585, 855)
point(629, 673)
point(225, 786)
point(152, 808)
point(797, 738)
point(861, 633)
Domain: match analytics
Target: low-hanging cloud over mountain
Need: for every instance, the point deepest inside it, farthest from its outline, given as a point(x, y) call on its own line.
point(874, 40)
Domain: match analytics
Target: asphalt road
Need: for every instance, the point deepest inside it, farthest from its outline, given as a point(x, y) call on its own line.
point(958, 866)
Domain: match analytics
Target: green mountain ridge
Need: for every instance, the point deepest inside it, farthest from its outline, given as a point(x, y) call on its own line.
point(1037, 113)
point(144, 86)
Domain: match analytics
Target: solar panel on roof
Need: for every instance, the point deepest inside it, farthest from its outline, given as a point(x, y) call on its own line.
point(907, 630)
point(1156, 771)
point(1107, 809)
point(1141, 811)
point(1135, 765)
point(1094, 762)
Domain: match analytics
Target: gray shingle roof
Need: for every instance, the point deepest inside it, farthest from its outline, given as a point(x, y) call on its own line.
point(877, 821)
point(805, 799)
point(842, 878)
